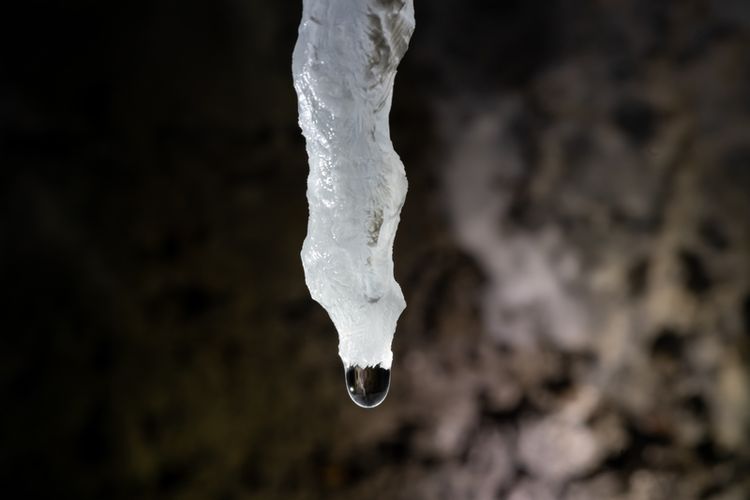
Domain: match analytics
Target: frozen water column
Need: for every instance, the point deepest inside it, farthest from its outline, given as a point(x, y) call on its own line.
point(344, 65)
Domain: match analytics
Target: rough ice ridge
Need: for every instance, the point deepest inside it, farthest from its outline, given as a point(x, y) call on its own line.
point(344, 65)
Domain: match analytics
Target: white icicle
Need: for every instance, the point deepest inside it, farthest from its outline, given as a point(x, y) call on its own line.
point(344, 64)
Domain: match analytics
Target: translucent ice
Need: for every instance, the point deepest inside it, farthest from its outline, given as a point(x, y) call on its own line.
point(344, 64)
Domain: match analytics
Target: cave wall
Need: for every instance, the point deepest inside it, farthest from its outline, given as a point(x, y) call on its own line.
point(574, 251)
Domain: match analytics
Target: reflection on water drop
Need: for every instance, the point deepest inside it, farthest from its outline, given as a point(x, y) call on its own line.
point(368, 386)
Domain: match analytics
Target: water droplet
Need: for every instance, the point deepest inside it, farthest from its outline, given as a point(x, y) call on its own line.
point(367, 386)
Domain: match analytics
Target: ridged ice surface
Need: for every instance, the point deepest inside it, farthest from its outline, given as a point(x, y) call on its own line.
point(344, 65)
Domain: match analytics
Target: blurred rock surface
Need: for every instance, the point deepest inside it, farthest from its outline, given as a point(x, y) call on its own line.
point(574, 250)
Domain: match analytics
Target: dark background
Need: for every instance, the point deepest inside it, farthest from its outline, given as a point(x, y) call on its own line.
point(158, 340)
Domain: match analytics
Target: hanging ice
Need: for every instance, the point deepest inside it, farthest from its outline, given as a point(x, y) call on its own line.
point(344, 64)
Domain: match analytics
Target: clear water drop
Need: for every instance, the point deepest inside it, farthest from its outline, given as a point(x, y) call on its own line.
point(367, 386)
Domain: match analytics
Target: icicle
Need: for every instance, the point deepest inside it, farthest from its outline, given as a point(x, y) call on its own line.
point(344, 64)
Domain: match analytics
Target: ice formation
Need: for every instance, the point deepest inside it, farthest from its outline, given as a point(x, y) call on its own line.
point(344, 65)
